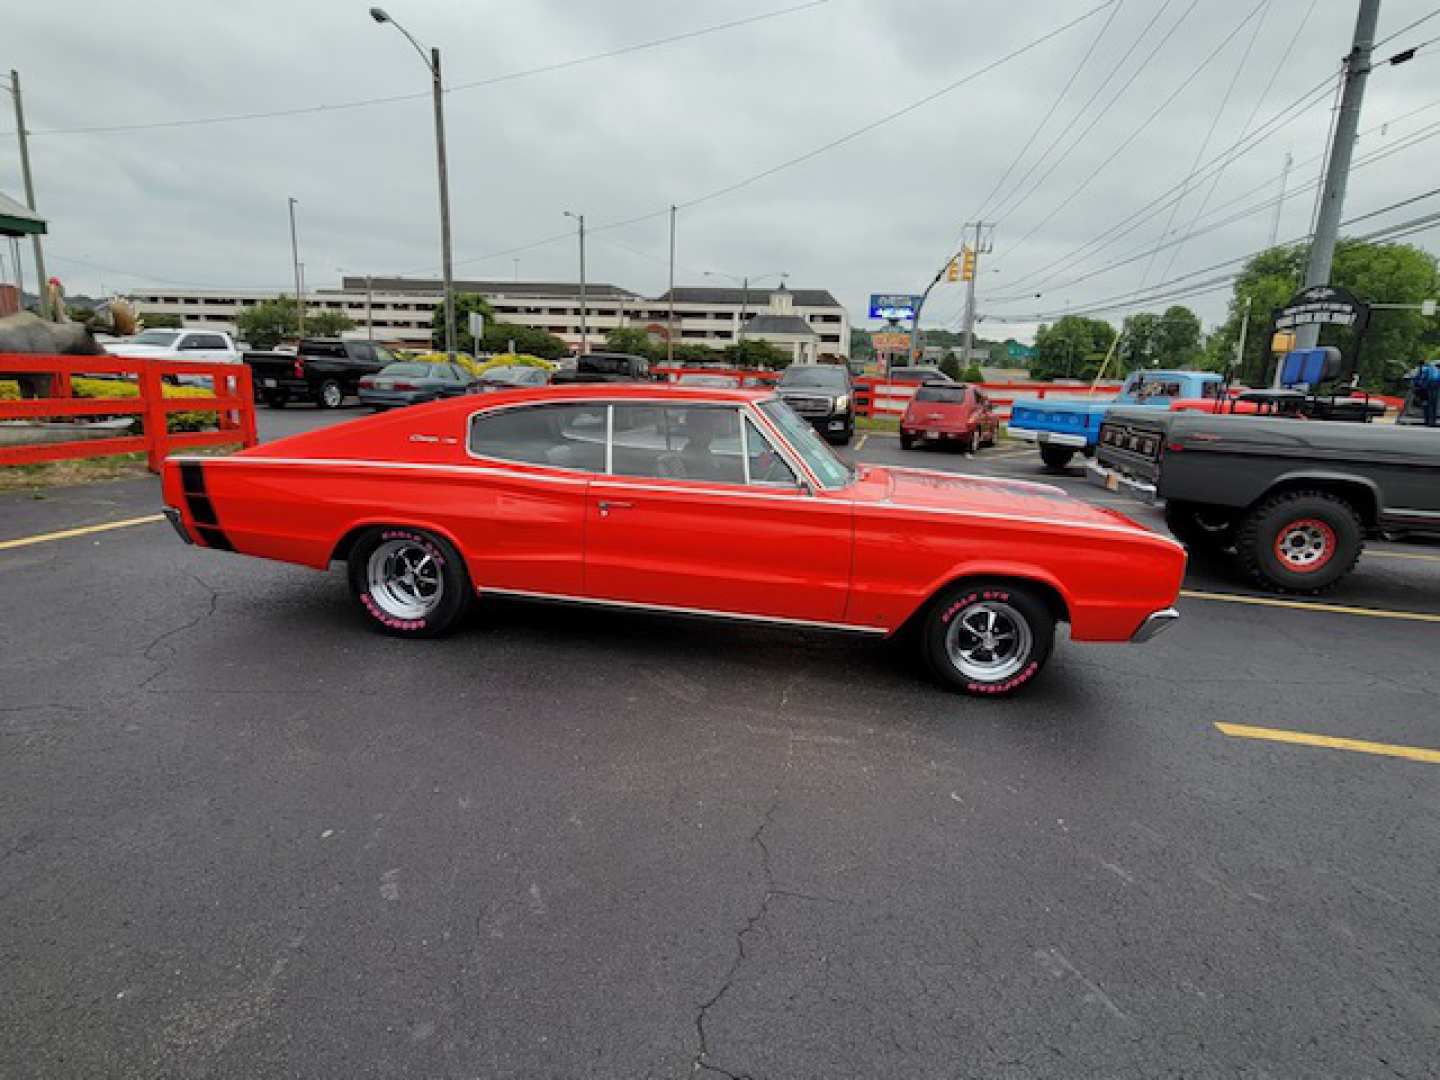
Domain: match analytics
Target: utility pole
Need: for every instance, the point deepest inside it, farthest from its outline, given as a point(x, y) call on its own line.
point(24, 138)
point(1280, 203)
point(670, 323)
point(444, 205)
point(584, 333)
point(295, 264)
point(983, 245)
point(1347, 125)
point(370, 307)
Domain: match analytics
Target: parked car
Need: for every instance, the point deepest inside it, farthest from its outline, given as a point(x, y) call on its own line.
point(199, 346)
point(606, 367)
point(412, 382)
point(949, 412)
point(917, 373)
point(718, 382)
point(1062, 428)
point(1294, 498)
point(823, 395)
point(509, 377)
point(720, 503)
point(323, 370)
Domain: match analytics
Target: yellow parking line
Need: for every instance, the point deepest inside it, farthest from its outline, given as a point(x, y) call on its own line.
point(1401, 555)
point(1359, 746)
point(86, 530)
point(1311, 605)
point(860, 445)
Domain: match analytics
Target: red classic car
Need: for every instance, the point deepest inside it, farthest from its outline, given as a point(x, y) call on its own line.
point(698, 501)
point(949, 412)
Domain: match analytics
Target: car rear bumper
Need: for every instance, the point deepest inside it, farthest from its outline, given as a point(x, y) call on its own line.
point(173, 516)
point(390, 399)
point(1058, 438)
point(1114, 480)
point(1155, 623)
point(274, 384)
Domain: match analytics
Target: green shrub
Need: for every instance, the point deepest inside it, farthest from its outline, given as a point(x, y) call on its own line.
point(120, 388)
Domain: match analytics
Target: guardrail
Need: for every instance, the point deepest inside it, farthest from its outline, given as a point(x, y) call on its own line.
point(233, 403)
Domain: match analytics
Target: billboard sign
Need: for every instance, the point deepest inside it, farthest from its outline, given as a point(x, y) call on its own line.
point(893, 305)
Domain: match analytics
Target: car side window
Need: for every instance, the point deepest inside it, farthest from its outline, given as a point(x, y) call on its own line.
point(763, 464)
point(383, 356)
point(691, 442)
point(562, 436)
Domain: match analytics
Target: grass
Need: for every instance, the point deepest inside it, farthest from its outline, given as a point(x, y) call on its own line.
point(47, 474)
point(877, 423)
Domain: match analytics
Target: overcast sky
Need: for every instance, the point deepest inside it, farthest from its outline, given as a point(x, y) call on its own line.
point(205, 204)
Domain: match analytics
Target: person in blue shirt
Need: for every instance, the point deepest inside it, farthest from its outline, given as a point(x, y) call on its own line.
point(1426, 381)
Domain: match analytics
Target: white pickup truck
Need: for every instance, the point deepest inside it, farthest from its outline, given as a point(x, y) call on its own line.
point(201, 346)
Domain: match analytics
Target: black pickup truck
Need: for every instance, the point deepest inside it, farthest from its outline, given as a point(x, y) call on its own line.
point(1295, 498)
point(322, 370)
point(606, 367)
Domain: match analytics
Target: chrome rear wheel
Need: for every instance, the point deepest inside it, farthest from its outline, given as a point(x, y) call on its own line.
point(405, 579)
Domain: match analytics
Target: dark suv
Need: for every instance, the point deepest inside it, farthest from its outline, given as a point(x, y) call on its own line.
point(322, 370)
point(823, 395)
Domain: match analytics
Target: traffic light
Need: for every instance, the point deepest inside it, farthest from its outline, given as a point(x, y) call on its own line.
point(967, 264)
point(952, 272)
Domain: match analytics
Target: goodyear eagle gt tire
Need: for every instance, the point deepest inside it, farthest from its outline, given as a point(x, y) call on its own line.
point(987, 638)
point(408, 582)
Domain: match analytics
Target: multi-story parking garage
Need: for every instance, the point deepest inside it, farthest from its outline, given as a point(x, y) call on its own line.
point(400, 310)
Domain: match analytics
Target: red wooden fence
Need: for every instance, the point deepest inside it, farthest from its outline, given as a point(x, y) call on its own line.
point(233, 404)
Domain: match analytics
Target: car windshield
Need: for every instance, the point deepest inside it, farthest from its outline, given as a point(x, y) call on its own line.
point(830, 378)
point(719, 382)
point(163, 338)
point(949, 395)
point(831, 471)
point(421, 370)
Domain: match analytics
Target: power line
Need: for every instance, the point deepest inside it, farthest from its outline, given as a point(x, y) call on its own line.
point(493, 80)
point(1407, 26)
point(1210, 132)
point(1064, 90)
point(809, 155)
point(1003, 211)
point(1141, 297)
point(1101, 240)
point(1135, 134)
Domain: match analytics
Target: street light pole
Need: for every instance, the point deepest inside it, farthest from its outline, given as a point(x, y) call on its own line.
point(433, 63)
point(295, 264)
point(584, 332)
point(24, 138)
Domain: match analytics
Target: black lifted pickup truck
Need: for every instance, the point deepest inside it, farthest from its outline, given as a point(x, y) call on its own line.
point(1295, 498)
point(322, 370)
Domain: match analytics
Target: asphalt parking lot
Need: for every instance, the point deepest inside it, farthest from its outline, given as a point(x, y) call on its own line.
point(243, 836)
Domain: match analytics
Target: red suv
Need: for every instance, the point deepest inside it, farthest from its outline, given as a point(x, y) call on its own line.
point(949, 412)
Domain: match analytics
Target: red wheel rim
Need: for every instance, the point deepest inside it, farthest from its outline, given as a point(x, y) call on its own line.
point(1305, 545)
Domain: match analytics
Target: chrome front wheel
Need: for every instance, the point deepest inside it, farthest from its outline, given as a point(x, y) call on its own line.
point(989, 641)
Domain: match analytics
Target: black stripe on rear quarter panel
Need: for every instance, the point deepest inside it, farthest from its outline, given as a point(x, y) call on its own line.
point(202, 510)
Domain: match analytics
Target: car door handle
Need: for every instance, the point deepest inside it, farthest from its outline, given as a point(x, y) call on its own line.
point(606, 505)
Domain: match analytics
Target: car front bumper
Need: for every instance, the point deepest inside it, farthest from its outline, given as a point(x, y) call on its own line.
point(1114, 480)
point(1155, 623)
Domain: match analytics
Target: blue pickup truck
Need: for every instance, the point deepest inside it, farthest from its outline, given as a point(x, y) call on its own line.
point(1061, 428)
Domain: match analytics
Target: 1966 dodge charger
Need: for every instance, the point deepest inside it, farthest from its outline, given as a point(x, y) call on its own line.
point(697, 501)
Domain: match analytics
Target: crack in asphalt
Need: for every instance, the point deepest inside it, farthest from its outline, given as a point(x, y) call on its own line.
point(752, 921)
point(160, 639)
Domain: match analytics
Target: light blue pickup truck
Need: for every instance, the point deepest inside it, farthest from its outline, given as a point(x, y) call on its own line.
point(1062, 428)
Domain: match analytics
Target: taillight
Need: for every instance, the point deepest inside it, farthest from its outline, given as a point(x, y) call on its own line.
point(403, 386)
point(299, 368)
point(366, 384)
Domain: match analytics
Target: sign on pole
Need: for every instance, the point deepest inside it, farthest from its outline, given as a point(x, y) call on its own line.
point(477, 327)
point(1323, 305)
point(893, 305)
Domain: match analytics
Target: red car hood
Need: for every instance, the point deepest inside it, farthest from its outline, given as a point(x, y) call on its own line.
point(924, 489)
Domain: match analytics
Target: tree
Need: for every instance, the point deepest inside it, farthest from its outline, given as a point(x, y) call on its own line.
point(268, 323)
point(497, 335)
point(756, 354)
point(972, 374)
point(327, 323)
point(950, 364)
point(1177, 337)
point(860, 345)
point(633, 340)
point(1137, 348)
point(1375, 273)
point(1073, 348)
